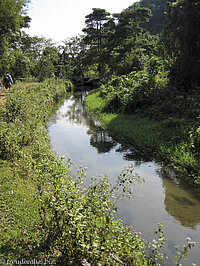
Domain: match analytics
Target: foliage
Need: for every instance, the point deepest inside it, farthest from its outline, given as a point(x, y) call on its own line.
point(66, 222)
point(20, 111)
point(156, 23)
point(13, 18)
point(32, 57)
point(73, 59)
point(182, 253)
point(157, 130)
point(113, 39)
point(181, 37)
point(129, 92)
point(94, 24)
point(120, 91)
point(111, 45)
point(24, 145)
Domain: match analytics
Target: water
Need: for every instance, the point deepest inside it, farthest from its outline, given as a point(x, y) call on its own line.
point(162, 198)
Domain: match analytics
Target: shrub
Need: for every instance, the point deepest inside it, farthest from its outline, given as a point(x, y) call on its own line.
point(73, 224)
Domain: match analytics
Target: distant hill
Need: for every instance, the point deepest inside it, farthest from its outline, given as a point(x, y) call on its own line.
point(155, 24)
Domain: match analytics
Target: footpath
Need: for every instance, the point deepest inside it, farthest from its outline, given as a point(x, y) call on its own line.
point(3, 94)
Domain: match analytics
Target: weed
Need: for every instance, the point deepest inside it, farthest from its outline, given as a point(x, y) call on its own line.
point(169, 138)
point(49, 215)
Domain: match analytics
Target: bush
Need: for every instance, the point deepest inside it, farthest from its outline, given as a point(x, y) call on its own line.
point(129, 92)
point(68, 222)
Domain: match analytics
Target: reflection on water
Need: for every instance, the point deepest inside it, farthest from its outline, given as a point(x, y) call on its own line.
point(181, 200)
point(102, 142)
point(162, 198)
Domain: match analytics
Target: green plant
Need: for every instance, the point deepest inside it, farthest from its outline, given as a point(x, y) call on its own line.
point(158, 129)
point(67, 221)
point(182, 252)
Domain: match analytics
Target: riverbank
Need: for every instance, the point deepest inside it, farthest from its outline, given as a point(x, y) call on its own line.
point(167, 140)
point(24, 147)
point(47, 215)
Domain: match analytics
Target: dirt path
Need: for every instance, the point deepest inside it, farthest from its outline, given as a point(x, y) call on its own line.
point(4, 93)
point(3, 96)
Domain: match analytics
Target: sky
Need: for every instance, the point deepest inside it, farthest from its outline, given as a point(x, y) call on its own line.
point(62, 19)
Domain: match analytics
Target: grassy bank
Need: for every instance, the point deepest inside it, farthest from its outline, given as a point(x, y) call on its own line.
point(24, 153)
point(170, 140)
point(48, 216)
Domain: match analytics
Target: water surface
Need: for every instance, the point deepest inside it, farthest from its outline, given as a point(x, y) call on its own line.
point(162, 198)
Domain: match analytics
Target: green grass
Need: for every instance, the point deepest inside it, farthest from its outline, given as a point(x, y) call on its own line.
point(45, 212)
point(20, 220)
point(142, 132)
point(23, 144)
point(163, 139)
point(95, 102)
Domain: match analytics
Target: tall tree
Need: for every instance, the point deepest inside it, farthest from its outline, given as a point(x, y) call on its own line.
point(12, 19)
point(95, 35)
point(129, 21)
point(94, 25)
point(182, 40)
point(72, 58)
point(47, 65)
point(158, 8)
point(113, 41)
point(123, 43)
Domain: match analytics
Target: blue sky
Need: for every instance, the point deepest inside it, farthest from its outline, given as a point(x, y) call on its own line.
point(62, 19)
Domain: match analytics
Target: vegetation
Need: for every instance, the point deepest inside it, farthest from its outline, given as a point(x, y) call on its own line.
point(65, 222)
point(182, 36)
point(161, 86)
point(148, 95)
point(13, 18)
point(114, 44)
point(172, 140)
point(158, 8)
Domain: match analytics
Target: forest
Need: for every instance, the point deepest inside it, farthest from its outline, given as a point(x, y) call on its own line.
point(143, 63)
point(151, 36)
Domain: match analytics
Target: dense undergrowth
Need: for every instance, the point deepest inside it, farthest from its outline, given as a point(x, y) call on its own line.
point(144, 110)
point(48, 215)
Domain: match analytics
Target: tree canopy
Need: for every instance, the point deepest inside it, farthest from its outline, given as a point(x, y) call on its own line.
point(182, 40)
point(12, 19)
point(94, 27)
point(158, 8)
point(112, 44)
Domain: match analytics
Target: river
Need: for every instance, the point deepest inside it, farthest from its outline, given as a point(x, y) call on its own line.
point(163, 197)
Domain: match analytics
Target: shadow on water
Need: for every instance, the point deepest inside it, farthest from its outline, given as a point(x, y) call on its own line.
point(182, 201)
point(99, 138)
point(163, 198)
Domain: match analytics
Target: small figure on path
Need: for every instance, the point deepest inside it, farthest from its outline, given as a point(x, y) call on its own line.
point(1, 88)
point(7, 81)
point(1, 85)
